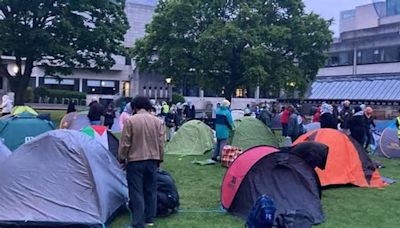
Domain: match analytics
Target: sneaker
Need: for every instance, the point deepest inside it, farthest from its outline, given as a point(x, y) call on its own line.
point(211, 161)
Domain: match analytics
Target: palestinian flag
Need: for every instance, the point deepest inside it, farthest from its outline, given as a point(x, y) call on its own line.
point(103, 136)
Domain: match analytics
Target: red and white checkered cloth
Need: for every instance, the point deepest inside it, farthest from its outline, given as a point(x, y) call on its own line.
point(229, 155)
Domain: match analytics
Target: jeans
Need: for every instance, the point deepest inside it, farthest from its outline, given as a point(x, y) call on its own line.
point(284, 130)
point(96, 122)
point(221, 143)
point(142, 184)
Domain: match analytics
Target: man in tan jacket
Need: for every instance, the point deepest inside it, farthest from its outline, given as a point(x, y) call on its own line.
point(141, 149)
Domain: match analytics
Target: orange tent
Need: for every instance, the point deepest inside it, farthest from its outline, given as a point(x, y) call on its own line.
point(347, 161)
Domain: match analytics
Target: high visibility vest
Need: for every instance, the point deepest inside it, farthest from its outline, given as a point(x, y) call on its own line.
point(398, 129)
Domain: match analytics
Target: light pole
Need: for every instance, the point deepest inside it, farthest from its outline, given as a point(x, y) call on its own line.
point(168, 81)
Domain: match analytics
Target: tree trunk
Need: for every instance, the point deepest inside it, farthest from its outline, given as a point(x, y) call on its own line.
point(18, 86)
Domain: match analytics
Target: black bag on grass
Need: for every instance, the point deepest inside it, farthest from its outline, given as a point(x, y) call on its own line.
point(167, 195)
point(295, 219)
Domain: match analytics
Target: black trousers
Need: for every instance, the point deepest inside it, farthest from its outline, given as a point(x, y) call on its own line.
point(142, 184)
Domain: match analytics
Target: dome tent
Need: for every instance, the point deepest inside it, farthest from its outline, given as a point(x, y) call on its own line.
point(283, 175)
point(4, 152)
point(347, 162)
point(75, 121)
point(62, 178)
point(102, 135)
point(388, 144)
point(18, 129)
point(192, 138)
point(250, 132)
point(21, 109)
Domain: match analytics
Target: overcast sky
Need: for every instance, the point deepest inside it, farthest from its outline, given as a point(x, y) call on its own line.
point(332, 8)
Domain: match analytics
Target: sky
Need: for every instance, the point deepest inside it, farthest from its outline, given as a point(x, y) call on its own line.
point(332, 8)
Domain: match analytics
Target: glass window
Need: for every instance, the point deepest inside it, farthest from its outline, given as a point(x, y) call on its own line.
point(107, 84)
point(340, 59)
point(93, 83)
point(102, 87)
point(128, 61)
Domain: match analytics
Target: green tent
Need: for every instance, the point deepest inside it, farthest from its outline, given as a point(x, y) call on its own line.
point(250, 132)
point(17, 130)
point(193, 138)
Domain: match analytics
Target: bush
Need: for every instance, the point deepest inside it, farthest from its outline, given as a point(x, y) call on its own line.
point(57, 94)
point(176, 98)
point(29, 95)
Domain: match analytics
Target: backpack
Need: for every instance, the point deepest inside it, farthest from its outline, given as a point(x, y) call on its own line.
point(167, 195)
point(262, 215)
point(295, 219)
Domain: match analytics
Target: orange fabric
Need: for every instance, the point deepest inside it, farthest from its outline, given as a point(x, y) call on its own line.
point(343, 164)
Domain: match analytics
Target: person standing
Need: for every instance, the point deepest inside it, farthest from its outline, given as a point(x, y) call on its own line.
point(96, 110)
point(223, 124)
point(345, 116)
point(317, 115)
point(295, 128)
point(357, 126)
point(266, 116)
point(109, 115)
point(284, 121)
point(247, 110)
point(71, 107)
point(128, 112)
point(369, 121)
point(141, 150)
point(170, 122)
point(398, 125)
point(327, 119)
point(6, 105)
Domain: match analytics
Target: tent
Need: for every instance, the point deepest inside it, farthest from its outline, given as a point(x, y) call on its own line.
point(381, 125)
point(61, 179)
point(102, 135)
point(192, 138)
point(4, 152)
point(388, 144)
point(347, 163)
point(312, 126)
point(21, 109)
point(237, 114)
point(19, 129)
point(284, 176)
point(250, 132)
point(75, 121)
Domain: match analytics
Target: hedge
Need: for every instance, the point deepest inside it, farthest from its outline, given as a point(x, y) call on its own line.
point(58, 93)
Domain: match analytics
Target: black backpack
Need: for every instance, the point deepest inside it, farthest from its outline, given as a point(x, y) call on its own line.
point(295, 219)
point(262, 215)
point(167, 195)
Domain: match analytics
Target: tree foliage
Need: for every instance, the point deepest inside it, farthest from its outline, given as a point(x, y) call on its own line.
point(235, 43)
point(59, 35)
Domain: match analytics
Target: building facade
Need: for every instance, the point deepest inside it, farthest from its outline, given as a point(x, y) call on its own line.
point(364, 62)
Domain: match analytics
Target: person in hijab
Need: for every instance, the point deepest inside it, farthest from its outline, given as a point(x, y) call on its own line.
point(126, 113)
point(327, 119)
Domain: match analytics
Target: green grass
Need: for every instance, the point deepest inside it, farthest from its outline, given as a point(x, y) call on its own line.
point(199, 188)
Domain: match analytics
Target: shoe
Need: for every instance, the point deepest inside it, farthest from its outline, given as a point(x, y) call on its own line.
point(150, 224)
point(211, 161)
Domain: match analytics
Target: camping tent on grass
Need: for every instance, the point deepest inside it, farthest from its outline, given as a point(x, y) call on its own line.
point(284, 176)
point(250, 132)
point(192, 138)
point(347, 163)
point(102, 135)
point(312, 126)
point(4, 152)
point(62, 178)
point(388, 144)
point(19, 129)
point(237, 114)
point(21, 109)
point(75, 121)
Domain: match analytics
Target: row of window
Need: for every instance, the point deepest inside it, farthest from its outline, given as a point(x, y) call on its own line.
point(365, 56)
point(155, 92)
point(104, 87)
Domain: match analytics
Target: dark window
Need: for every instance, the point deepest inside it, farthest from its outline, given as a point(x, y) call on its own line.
point(340, 59)
point(102, 87)
point(128, 61)
point(1, 82)
point(392, 7)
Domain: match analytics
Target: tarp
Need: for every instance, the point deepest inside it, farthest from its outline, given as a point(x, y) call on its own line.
point(102, 135)
point(312, 126)
point(388, 144)
point(75, 121)
point(284, 176)
point(347, 162)
point(19, 129)
point(62, 177)
point(250, 132)
point(21, 109)
point(4, 152)
point(192, 138)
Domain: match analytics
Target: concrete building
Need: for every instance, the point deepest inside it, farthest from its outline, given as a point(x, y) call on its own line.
point(123, 79)
point(364, 62)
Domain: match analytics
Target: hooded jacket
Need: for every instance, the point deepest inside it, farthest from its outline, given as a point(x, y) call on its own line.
point(223, 123)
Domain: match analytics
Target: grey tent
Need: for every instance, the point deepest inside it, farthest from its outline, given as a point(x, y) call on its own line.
point(312, 126)
point(4, 152)
point(62, 178)
point(388, 144)
point(75, 121)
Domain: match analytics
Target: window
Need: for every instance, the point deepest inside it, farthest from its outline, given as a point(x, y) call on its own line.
point(392, 7)
point(128, 61)
point(54, 81)
point(102, 87)
point(1, 82)
point(341, 59)
point(239, 93)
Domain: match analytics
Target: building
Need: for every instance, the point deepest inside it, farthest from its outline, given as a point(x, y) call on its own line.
point(364, 62)
point(123, 79)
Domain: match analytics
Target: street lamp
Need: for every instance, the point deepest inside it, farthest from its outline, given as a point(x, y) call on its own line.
point(168, 81)
point(13, 69)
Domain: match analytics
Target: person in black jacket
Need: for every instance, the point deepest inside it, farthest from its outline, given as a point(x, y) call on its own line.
point(357, 126)
point(71, 107)
point(327, 119)
point(369, 121)
point(96, 110)
point(109, 115)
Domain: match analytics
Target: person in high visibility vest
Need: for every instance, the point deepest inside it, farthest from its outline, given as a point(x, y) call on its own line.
point(398, 125)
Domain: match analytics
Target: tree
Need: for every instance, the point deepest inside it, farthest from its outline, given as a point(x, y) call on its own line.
point(59, 35)
point(235, 43)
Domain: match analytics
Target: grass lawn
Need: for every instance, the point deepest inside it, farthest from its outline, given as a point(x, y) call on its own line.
point(199, 188)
